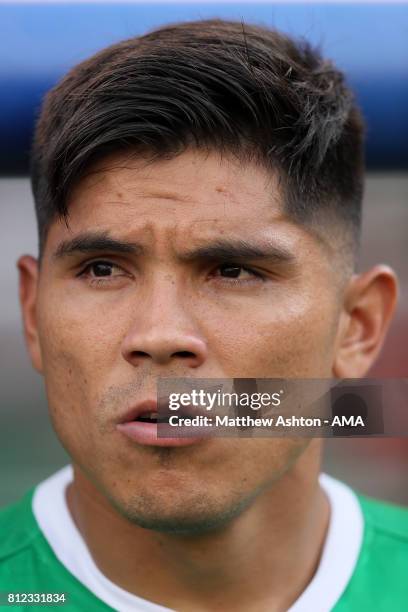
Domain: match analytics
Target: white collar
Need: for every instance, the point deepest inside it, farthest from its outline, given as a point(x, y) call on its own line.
point(337, 563)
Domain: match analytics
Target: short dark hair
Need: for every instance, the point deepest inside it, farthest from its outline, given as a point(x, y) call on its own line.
point(217, 85)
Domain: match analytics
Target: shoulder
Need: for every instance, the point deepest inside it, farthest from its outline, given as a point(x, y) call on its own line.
point(18, 527)
point(379, 579)
point(22, 551)
point(387, 521)
point(28, 564)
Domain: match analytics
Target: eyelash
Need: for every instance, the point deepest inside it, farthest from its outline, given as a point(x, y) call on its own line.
point(256, 276)
point(98, 281)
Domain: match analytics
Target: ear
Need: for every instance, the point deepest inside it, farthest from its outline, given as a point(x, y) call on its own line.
point(369, 305)
point(28, 289)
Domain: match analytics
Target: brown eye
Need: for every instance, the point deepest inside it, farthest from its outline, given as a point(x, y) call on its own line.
point(101, 268)
point(236, 271)
point(230, 270)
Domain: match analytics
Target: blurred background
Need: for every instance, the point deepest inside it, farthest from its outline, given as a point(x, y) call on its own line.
point(39, 42)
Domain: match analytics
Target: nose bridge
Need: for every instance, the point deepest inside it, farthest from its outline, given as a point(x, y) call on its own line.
point(164, 328)
point(165, 296)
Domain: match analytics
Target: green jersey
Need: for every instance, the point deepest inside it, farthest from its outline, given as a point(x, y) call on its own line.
point(363, 567)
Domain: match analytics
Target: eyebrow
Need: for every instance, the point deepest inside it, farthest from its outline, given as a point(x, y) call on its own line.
point(220, 250)
point(96, 241)
point(237, 250)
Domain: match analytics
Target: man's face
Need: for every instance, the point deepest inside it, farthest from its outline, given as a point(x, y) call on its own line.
point(111, 322)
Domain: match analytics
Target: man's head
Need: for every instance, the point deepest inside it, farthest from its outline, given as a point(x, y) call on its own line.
point(198, 193)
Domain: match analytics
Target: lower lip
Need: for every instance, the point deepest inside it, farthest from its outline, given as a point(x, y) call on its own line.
point(146, 434)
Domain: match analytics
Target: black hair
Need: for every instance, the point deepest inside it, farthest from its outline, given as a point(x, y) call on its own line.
point(216, 85)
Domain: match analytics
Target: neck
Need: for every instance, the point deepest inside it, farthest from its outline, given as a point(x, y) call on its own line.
point(263, 559)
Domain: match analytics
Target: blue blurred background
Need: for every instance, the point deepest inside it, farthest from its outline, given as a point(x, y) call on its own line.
point(40, 42)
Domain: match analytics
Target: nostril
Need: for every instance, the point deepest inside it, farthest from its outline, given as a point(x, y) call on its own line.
point(140, 354)
point(183, 354)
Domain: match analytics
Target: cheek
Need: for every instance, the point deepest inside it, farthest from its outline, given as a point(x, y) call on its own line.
point(291, 338)
point(81, 351)
point(79, 334)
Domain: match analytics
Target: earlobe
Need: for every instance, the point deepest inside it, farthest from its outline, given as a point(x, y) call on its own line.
point(369, 305)
point(28, 287)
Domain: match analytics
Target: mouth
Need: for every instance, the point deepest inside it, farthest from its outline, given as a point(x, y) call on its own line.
point(150, 417)
point(140, 424)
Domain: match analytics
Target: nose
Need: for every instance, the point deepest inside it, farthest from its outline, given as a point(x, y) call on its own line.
point(163, 332)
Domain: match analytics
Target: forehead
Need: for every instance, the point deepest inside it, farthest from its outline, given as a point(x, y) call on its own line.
point(194, 197)
point(197, 184)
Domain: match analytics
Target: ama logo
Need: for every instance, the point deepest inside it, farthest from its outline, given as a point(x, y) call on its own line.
point(348, 421)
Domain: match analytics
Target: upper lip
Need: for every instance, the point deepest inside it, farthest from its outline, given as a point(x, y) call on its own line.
point(150, 405)
point(147, 406)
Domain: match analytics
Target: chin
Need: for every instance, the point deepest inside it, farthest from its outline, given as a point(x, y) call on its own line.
point(199, 514)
